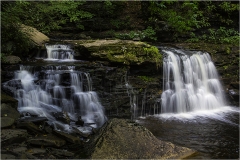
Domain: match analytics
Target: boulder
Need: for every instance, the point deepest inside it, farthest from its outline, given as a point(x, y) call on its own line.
point(8, 111)
point(37, 37)
point(6, 122)
point(123, 139)
point(117, 51)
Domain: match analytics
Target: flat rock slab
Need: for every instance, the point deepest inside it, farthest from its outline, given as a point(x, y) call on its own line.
point(67, 137)
point(13, 135)
point(121, 139)
point(33, 119)
point(47, 140)
point(29, 126)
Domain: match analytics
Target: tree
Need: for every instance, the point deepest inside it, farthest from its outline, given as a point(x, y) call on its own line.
point(43, 15)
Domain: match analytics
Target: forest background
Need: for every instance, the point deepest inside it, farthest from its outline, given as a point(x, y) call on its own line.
point(153, 21)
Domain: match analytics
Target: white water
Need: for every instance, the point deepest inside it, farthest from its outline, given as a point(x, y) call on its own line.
point(49, 96)
point(57, 89)
point(59, 52)
point(191, 83)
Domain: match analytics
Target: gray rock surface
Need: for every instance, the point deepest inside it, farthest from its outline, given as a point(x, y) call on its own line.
point(13, 135)
point(122, 139)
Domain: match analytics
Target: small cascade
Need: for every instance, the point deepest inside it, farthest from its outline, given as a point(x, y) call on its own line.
point(57, 89)
point(191, 82)
point(59, 52)
point(133, 98)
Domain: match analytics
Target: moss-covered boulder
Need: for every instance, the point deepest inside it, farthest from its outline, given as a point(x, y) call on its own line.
point(117, 51)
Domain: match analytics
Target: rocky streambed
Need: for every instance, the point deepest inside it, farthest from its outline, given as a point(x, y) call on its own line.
point(34, 138)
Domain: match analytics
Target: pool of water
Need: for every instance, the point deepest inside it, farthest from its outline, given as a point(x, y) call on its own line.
point(213, 133)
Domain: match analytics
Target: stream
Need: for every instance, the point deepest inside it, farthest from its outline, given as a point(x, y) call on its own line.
point(214, 134)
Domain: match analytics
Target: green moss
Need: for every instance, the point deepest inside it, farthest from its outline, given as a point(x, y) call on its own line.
point(153, 54)
point(228, 50)
point(146, 78)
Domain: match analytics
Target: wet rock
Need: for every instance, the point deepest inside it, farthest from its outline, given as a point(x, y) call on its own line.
point(30, 127)
point(60, 152)
point(33, 119)
point(20, 149)
point(62, 116)
point(8, 111)
point(83, 131)
point(122, 139)
point(235, 85)
point(47, 140)
point(234, 93)
point(67, 137)
point(6, 122)
point(8, 156)
point(34, 151)
point(79, 121)
point(13, 136)
point(8, 100)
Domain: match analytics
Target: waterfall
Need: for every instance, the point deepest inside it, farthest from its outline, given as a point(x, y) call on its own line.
point(59, 52)
point(49, 91)
point(190, 82)
point(49, 95)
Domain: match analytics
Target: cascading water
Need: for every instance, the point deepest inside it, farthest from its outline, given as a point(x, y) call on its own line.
point(51, 90)
point(59, 52)
point(194, 113)
point(191, 82)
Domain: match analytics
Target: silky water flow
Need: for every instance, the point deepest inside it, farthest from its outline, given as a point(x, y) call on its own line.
point(57, 89)
point(194, 111)
point(191, 83)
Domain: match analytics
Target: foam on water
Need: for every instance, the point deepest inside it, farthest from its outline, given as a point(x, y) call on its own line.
point(219, 114)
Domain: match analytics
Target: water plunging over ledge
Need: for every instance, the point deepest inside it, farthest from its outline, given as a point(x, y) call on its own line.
point(191, 82)
point(194, 111)
point(59, 90)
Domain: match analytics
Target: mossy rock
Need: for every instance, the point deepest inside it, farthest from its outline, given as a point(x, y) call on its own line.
point(8, 100)
point(118, 51)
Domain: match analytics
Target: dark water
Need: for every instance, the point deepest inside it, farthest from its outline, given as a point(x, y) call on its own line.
point(214, 134)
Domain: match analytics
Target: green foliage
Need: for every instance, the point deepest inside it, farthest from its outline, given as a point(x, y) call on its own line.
point(13, 40)
point(181, 17)
point(43, 15)
point(147, 34)
point(3, 57)
point(49, 15)
point(220, 36)
point(153, 53)
point(186, 17)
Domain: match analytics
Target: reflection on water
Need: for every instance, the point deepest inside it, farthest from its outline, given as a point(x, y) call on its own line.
point(214, 134)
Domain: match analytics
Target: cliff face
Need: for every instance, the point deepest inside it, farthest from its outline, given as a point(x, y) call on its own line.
point(130, 84)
